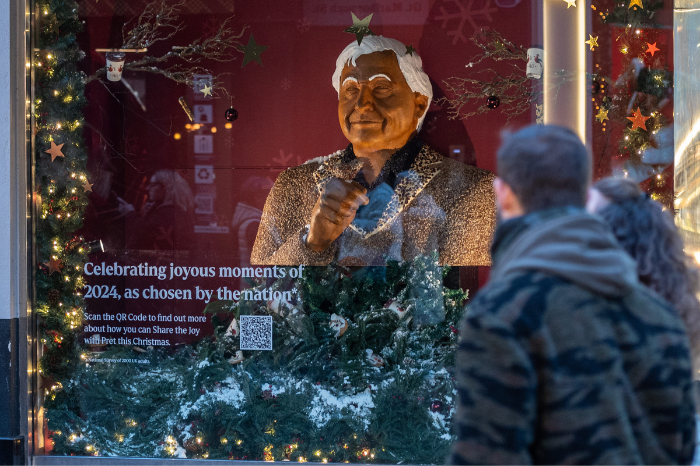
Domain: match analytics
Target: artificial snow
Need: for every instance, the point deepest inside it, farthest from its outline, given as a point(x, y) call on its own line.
point(229, 393)
point(325, 405)
point(439, 422)
point(203, 363)
point(180, 452)
point(275, 390)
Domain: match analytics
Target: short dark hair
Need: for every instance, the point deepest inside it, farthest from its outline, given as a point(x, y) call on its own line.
point(545, 166)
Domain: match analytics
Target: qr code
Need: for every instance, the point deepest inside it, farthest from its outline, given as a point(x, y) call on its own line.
point(256, 333)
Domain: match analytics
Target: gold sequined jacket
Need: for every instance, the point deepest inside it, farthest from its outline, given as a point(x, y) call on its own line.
point(438, 204)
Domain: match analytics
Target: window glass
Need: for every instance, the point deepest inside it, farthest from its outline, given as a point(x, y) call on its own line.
point(258, 223)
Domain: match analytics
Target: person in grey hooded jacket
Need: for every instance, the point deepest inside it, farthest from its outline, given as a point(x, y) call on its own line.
point(564, 357)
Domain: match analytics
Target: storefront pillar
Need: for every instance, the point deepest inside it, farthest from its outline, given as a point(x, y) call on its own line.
point(564, 28)
point(14, 386)
point(686, 38)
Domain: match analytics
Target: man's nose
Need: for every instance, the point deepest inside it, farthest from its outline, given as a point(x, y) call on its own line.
point(365, 99)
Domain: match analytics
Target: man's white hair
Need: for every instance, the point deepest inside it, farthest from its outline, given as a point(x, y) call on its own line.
point(411, 65)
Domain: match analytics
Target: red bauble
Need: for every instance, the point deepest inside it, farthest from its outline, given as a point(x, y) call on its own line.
point(493, 102)
point(436, 406)
point(231, 114)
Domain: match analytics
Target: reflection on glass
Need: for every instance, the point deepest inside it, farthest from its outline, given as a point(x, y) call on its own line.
point(165, 220)
point(687, 124)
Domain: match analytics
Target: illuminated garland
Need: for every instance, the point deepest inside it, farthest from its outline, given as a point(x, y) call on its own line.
point(61, 192)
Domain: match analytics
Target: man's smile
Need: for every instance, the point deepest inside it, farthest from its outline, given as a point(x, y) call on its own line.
point(362, 121)
point(366, 122)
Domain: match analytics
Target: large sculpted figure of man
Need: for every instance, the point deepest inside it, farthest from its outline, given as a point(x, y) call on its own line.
point(387, 196)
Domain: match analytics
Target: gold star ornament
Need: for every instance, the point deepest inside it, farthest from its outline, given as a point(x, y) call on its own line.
point(570, 3)
point(55, 265)
point(252, 51)
point(636, 3)
point(206, 90)
point(592, 41)
point(638, 120)
point(360, 27)
point(651, 48)
point(54, 25)
point(602, 115)
point(55, 151)
point(87, 186)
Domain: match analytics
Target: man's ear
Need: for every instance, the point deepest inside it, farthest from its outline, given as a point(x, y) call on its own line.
point(499, 188)
point(421, 105)
point(508, 204)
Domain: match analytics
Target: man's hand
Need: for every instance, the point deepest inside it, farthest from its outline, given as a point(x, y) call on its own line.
point(334, 211)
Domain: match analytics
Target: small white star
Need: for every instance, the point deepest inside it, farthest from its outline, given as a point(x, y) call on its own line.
point(206, 90)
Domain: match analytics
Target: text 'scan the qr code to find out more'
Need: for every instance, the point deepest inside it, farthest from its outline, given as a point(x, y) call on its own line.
point(256, 333)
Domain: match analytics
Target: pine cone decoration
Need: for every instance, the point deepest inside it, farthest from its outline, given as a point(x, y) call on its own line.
point(191, 445)
point(54, 296)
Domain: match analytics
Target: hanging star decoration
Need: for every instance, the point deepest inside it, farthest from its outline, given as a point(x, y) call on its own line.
point(592, 41)
point(652, 49)
point(206, 90)
point(54, 25)
point(55, 151)
point(410, 50)
point(602, 115)
point(570, 3)
point(360, 27)
point(638, 120)
point(252, 51)
point(87, 186)
point(55, 265)
point(636, 3)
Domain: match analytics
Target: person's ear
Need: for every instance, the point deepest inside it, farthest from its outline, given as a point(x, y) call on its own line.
point(507, 202)
point(499, 188)
point(421, 105)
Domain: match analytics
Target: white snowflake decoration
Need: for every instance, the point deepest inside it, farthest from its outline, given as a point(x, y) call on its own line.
point(303, 25)
point(465, 14)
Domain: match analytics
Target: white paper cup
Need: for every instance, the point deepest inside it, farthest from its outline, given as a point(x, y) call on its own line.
point(535, 63)
point(115, 65)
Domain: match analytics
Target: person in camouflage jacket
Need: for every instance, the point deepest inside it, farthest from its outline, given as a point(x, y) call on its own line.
point(564, 357)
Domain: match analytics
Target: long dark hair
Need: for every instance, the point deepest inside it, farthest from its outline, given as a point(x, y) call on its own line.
point(648, 234)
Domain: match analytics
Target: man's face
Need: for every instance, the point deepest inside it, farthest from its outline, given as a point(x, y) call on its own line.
point(376, 107)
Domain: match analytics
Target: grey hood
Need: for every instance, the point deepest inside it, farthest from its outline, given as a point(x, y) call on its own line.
point(577, 247)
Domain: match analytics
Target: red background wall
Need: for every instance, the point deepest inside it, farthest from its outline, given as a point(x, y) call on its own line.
point(287, 106)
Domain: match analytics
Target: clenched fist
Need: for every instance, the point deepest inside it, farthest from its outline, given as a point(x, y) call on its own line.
point(335, 209)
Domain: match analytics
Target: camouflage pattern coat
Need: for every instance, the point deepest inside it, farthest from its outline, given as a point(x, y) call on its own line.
point(564, 358)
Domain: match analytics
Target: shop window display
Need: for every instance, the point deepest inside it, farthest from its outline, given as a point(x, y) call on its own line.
point(211, 283)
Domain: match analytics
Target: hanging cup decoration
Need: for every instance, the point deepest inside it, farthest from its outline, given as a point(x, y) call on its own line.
point(535, 63)
point(115, 65)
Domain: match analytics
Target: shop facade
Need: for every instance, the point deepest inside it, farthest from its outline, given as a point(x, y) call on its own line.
point(169, 291)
